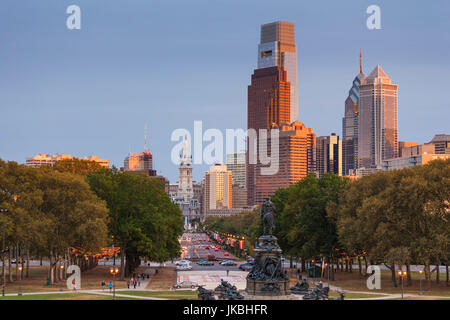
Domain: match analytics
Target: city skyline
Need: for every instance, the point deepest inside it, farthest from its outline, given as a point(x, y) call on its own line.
point(50, 117)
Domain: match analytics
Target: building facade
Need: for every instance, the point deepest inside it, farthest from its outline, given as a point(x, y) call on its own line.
point(377, 120)
point(138, 162)
point(217, 189)
point(236, 164)
point(329, 155)
point(295, 159)
point(441, 143)
point(414, 156)
point(350, 123)
point(51, 159)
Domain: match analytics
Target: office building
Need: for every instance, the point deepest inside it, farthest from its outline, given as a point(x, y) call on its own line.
point(329, 155)
point(51, 159)
point(217, 189)
point(378, 120)
point(236, 164)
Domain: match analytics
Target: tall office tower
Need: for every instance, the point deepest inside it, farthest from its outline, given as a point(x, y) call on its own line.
point(217, 188)
point(296, 158)
point(329, 155)
point(236, 164)
point(185, 188)
point(277, 48)
point(378, 120)
point(350, 123)
point(272, 94)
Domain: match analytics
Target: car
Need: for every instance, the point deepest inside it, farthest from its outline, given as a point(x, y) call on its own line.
point(226, 254)
point(228, 263)
point(205, 263)
point(184, 267)
point(186, 284)
point(188, 256)
point(206, 247)
point(212, 257)
point(246, 266)
point(251, 260)
point(183, 261)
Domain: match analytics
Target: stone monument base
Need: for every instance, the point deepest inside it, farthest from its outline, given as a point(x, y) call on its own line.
point(287, 297)
point(259, 288)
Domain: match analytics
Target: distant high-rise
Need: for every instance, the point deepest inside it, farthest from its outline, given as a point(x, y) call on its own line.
point(272, 95)
point(329, 155)
point(350, 123)
point(296, 158)
point(278, 49)
point(51, 159)
point(441, 143)
point(185, 186)
point(377, 120)
point(217, 189)
point(236, 164)
point(138, 162)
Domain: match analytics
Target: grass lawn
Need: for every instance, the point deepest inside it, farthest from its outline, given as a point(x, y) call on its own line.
point(63, 296)
point(349, 295)
point(173, 295)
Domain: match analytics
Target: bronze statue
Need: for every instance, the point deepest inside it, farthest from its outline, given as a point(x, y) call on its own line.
point(267, 214)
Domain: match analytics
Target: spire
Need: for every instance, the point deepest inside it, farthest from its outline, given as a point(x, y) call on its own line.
point(360, 61)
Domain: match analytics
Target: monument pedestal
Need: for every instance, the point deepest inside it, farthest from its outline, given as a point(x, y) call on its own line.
point(267, 277)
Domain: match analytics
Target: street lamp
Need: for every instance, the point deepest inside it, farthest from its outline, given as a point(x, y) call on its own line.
point(114, 271)
point(61, 267)
point(3, 211)
point(20, 280)
point(402, 274)
point(420, 282)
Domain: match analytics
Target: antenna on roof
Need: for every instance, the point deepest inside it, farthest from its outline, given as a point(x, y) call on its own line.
point(145, 138)
point(360, 60)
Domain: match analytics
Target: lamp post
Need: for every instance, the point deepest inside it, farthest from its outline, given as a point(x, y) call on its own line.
point(420, 282)
point(20, 280)
point(114, 271)
point(61, 267)
point(3, 211)
point(402, 274)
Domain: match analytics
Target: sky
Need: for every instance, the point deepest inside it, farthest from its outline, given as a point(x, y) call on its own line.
point(169, 63)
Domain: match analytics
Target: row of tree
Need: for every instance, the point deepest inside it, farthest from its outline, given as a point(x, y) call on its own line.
point(395, 218)
point(48, 211)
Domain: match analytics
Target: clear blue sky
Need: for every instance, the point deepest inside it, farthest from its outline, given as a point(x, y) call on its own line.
point(90, 91)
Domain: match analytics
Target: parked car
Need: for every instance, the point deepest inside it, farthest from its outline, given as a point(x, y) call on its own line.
point(183, 267)
point(205, 263)
point(186, 284)
point(251, 260)
point(212, 257)
point(246, 266)
point(228, 263)
point(226, 254)
point(183, 261)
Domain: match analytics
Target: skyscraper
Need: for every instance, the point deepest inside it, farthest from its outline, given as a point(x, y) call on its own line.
point(236, 164)
point(217, 188)
point(329, 155)
point(278, 49)
point(185, 188)
point(295, 159)
point(350, 123)
point(272, 94)
point(378, 120)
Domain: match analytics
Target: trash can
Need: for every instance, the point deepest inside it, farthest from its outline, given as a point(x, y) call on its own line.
point(47, 281)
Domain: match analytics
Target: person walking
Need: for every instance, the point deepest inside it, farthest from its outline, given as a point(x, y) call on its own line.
point(110, 285)
point(103, 285)
point(228, 272)
point(128, 284)
point(74, 285)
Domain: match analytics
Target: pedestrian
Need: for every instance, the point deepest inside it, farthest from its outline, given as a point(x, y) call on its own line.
point(134, 284)
point(110, 285)
point(228, 271)
point(128, 284)
point(74, 285)
point(103, 285)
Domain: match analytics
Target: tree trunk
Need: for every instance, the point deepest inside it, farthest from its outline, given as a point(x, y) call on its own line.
point(438, 278)
point(427, 275)
point(346, 264)
point(365, 265)
point(446, 271)
point(393, 276)
point(122, 262)
point(351, 265)
point(9, 266)
point(408, 275)
point(28, 263)
point(360, 265)
point(17, 262)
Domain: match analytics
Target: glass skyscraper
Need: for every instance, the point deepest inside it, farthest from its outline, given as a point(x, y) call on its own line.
point(377, 120)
